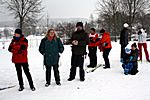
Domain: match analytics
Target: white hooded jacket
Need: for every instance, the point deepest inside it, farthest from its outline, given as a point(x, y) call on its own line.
point(142, 36)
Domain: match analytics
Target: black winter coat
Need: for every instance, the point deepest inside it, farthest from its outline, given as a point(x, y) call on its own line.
point(134, 53)
point(124, 37)
point(83, 40)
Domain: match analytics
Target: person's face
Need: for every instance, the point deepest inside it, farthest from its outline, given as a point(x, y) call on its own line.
point(79, 28)
point(133, 48)
point(17, 35)
point(51, 33)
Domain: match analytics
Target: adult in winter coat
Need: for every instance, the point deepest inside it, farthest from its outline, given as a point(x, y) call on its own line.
point(79, 41)
point(18, 48)
point(93, 36)
point(50, 47)
point(142, 42)
point(105, 46)
point(124, 40)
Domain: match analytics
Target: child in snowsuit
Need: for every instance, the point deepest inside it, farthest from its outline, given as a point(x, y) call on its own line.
point(127, 65)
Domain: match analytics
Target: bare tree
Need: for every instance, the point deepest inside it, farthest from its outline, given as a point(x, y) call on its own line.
point(26, 11)
point(108, 11)
point(113, 13)
point(133, 7)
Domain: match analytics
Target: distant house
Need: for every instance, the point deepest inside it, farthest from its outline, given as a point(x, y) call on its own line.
point(6, 31)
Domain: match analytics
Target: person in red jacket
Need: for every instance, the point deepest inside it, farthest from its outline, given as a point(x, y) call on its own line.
point(105, 46)
point(18, 48)
point(93, 36)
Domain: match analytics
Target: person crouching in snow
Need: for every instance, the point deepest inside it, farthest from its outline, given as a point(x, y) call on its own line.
point(127, 64)
point(18, 48)
point(50, 47)
point(134, 53)
point(130, 64)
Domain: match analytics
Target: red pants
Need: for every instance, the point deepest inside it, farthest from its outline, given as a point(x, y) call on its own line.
point(145, 50)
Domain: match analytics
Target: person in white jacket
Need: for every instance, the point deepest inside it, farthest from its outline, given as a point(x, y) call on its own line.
point(142, 42)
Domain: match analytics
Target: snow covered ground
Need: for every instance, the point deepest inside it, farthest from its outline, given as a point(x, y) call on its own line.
point(102, 84)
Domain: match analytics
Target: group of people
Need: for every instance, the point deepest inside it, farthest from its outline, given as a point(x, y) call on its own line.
point(51, 46)
point(129, 57)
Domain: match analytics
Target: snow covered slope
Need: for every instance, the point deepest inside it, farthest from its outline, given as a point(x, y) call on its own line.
point(102, 84)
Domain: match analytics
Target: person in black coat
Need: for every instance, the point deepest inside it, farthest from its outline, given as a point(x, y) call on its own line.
point(79, 41)
point(124, 40)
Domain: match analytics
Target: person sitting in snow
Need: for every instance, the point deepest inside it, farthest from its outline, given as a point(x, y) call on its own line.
point(130, 64)
point(127, 64)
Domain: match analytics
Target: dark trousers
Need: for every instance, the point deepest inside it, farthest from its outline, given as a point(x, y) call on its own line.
point(122, 52)
point(134, 70)
point(93, 56)
point(77, 61)
point(105, 56)
point(56, 73)
point(25, 67)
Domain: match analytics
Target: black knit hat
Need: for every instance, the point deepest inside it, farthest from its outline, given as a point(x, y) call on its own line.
point(93, 29)
point(134, 45)
point(102, 30)
point(18, 31)
point(79, 24)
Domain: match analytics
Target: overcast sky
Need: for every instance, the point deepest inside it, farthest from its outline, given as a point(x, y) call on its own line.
point(64, 9)
point(70, 8)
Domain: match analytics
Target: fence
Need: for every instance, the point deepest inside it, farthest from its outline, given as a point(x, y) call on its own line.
point(32, 43)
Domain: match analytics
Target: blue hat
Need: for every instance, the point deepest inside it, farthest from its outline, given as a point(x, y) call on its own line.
point(127, 50)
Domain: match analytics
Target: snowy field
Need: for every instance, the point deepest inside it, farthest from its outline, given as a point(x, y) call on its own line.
point(102, 84)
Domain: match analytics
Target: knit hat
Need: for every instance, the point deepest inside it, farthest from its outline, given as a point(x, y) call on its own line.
point(79, 24)
point(102, 30)
point(93, 29)
point(125, 25)
point(127, 50)
point(134, 45)
point(18, 31)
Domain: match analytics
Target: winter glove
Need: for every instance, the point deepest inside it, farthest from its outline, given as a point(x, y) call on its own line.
point(19, 51)
point(91, 40)
point(131, 58)
point(23, 47)
point(105, 44)
point(10, 48)
point(121, 60)
point(75, 42)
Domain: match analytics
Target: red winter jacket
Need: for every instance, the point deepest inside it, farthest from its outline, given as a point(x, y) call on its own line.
point(19, 50)
point(105, 42)
point(93, 39)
